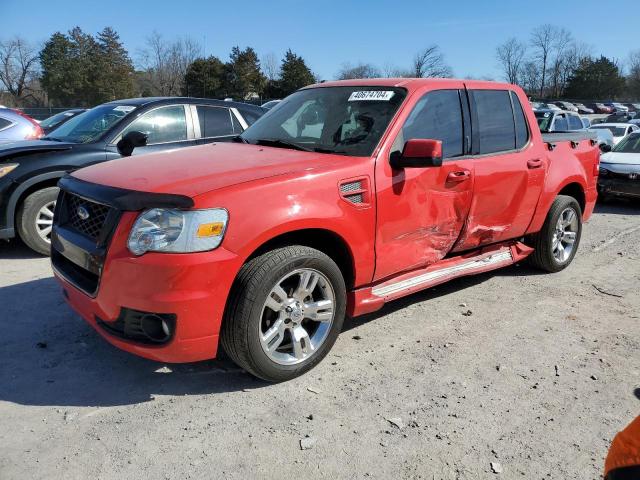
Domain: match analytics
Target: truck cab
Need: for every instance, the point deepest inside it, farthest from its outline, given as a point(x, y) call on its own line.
point(344, 196)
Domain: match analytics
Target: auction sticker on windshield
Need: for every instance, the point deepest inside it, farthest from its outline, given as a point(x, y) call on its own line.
point(378, 95)
point(124, 108)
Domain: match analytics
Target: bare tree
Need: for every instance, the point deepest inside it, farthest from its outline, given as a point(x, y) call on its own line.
point(430, 63)
point(572, 57)
point(18, 67)
point(562, 42)
point(166, 63)
point(511, 55)
point(270, 66)
point(360, 70)
point(530, 77)
point(633, 78)
point(542, 40)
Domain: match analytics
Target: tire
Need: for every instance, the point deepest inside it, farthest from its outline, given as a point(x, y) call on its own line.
point(547, 256)
point(31, 214)
point(254, 311)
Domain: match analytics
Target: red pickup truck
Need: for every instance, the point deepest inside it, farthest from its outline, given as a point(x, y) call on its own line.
point(346, 195)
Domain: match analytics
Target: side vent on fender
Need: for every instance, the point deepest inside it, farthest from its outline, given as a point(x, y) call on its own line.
point(356, 191)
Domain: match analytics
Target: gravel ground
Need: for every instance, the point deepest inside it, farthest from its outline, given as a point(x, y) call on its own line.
point(537, 378)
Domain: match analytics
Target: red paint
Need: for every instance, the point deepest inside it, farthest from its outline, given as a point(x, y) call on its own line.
point(410, 221)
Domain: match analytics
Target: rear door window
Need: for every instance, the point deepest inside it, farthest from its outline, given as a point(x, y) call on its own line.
point(437, 116)
point(574, 123)
point(214, 121)
point(496, 128)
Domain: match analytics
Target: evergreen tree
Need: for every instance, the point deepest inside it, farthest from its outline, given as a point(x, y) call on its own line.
point(115, 79)
point(295, 74)
point(205, 78)
point(244, 78)
point(595, 79)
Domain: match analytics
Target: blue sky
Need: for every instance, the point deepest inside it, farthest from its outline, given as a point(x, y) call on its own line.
point(330, 32)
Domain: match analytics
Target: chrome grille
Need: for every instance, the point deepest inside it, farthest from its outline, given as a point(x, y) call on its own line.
point(90, 226)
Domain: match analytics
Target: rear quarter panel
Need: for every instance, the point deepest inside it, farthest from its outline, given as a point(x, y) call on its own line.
point(568, 165)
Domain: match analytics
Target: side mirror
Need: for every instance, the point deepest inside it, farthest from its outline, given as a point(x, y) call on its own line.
point(130, 141)
point(418, 153)
point(605, 148)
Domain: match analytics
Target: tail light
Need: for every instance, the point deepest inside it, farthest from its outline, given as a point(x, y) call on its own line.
point(36, 132)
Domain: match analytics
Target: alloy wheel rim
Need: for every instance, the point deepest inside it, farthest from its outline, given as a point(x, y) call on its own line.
point(297, 316)
point(44, 221)
point(565, 235)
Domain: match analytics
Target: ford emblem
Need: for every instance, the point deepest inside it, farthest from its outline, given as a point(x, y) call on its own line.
point(82, 212)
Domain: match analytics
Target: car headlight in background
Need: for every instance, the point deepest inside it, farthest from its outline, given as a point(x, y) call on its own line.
point(4, 169)
point(178, 231)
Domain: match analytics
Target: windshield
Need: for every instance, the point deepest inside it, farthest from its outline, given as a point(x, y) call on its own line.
point(90, 125)
point(55, 119)
point(345, 120)
point(616, 131)
point(629, 144)
point(544, 120)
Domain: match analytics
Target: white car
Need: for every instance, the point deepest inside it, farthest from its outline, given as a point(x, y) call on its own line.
point(568, 106)
point(619, 130)
point(552, 106)
point(618, 107)
point(620, 169)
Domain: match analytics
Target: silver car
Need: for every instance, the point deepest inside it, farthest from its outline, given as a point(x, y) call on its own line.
point(15, 127)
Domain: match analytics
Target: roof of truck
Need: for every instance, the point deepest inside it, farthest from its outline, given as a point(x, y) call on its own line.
point(412, 83)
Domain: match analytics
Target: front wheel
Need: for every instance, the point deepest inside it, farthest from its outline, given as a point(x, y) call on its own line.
point(284, 313)
point(556, 244)
point(35, 219)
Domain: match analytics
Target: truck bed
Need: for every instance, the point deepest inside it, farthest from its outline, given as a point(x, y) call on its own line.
point(553, 137)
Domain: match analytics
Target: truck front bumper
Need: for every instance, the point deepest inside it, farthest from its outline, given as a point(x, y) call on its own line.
point(190, 289)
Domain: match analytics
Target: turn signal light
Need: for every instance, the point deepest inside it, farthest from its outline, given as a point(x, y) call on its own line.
point(210, 229)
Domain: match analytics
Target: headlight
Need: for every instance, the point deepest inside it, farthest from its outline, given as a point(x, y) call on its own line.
point(4, 169)
point(178, 231)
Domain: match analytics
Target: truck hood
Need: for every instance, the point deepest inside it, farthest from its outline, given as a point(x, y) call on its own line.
point(195, 170)
point(28, 147)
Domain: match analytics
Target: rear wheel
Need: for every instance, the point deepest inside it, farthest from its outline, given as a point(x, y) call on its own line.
point(556, 244)
point(35, 219)
point(285, 312)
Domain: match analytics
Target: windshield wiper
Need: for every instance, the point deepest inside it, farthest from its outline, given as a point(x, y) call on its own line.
point(276, 142)
point(53, 139)
point(329, 150)
point(239, 139)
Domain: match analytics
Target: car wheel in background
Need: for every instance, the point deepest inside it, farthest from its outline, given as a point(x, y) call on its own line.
point(556, 244)
point(284, 312)
point(35, 219)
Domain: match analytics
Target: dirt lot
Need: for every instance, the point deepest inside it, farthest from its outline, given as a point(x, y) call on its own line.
point(538, 378)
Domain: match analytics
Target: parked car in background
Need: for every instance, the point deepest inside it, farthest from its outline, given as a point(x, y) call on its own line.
point(270, 104)
point(537, 105)
point(618, 130)
point(51, 123)
point(586, 123)
point(263, 246)
point(16, 126)
point(618, 107)
point(552, 106)
point(29, 171)
point(600, 108)
point(584, 109)
point(620, 169)
point(633, 107)
point(558, 121)
point(568, 106)
point(621, 117)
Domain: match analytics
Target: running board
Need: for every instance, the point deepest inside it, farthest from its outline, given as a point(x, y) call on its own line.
point(369, 299)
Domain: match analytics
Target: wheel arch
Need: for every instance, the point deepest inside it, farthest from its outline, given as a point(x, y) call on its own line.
point(326, 241)
point(25, 189)
point(575, 190)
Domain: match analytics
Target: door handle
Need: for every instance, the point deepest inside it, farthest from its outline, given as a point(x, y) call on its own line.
point(534, 163)
point(459, 176)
